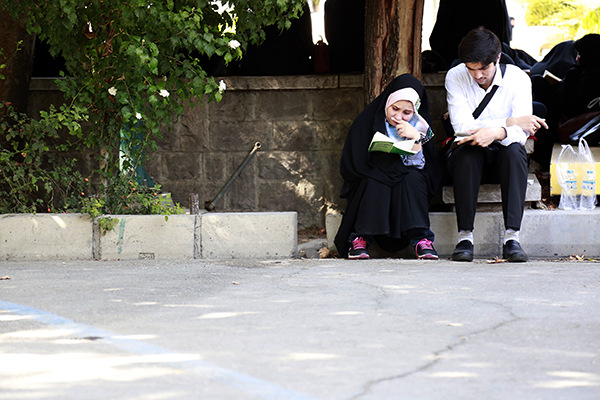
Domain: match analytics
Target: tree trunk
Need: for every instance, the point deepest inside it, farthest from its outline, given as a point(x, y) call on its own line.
point(15, 87)
point(392, 42)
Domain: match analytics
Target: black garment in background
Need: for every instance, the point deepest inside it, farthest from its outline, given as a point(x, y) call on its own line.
point(521, 58)
point(470, 166)
point(582, 82)
point(558, 61)
point(345, 34)
point(282, 53)
point(455, 18)
point(569, 98)
point(376, 184)
point(44, 64)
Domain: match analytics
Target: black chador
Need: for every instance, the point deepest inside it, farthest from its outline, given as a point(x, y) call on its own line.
point(387, 199)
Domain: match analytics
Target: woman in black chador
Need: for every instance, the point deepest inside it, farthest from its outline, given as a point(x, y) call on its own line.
point(388, 194)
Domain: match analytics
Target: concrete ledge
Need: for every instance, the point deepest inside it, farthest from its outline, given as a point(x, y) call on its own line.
point(561, 233)
point(544, 234)
point(33, 237)
point(29, 237)
point(249, 235)
point(147, 237)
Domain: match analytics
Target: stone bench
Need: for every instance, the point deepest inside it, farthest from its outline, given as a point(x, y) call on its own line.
point(490, 197)
point(490, 193)
point(544, 233)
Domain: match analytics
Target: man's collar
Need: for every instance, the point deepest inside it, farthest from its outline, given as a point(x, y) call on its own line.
point(498, 78)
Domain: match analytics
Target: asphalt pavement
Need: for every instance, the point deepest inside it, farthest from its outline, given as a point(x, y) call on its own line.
point(306, 329)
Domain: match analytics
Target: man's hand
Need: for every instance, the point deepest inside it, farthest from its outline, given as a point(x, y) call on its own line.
point(529, 123)
point(483, 137)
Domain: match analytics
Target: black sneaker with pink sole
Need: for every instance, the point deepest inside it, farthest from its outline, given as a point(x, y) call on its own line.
point(425, 250)
point(358, 249)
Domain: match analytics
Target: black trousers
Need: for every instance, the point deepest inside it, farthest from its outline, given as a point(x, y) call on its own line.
point(470, 166)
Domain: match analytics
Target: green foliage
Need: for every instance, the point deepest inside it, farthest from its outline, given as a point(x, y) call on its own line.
point(565, 14)
point(139, 60)
point(124, 196)
point(2, 66)
point(107, 224)
point(591, 22)
point(132, 64)
point(32, 179)
point(38, 175)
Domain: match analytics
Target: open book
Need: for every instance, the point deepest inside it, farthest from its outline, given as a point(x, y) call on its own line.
point(386, 144)
point(550, 77)
point(458, 136)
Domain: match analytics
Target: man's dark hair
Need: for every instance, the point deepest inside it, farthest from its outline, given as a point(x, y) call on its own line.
point(480, 45)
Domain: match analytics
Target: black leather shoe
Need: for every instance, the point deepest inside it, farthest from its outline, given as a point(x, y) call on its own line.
point(463, 251)
point(512, 252)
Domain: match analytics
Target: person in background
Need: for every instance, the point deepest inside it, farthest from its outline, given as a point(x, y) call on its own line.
point(545, 90)
point(455, 18)
point(388, 194)
point(345, 34)
point(581, 85)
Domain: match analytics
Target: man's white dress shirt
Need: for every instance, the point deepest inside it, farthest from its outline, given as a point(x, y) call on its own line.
point(512, 99)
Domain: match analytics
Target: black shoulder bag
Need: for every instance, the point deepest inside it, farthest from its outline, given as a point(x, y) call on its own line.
point(445, 151)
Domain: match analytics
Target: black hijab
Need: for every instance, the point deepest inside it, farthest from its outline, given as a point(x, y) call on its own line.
point(588, 48)
point(357, 163)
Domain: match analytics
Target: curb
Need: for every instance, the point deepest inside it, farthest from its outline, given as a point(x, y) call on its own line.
point(35, 237)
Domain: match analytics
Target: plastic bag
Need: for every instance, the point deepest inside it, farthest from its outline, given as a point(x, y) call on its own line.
point(567, 171)
point(587, 199)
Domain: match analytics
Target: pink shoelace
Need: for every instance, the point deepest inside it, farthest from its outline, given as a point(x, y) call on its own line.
point(359, 243)
point(425, 244)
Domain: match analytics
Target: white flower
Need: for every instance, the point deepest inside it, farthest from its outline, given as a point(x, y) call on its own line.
point(112, 91)
point(164, 93)
point(234, 44)
point(138, 115)
point(222, 86)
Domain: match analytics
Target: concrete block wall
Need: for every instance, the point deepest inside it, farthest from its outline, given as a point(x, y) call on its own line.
point(301, 123)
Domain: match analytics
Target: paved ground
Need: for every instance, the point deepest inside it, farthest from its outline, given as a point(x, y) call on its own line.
point(299, 329)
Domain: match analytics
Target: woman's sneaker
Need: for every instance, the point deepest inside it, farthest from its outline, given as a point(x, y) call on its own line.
point(358, 249)
point(425, 250)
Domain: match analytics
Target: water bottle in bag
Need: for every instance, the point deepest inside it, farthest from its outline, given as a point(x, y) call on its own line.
point(588, 183)
point(567, 169)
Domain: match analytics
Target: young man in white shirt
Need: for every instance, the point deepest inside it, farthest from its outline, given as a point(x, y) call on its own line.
point(495, 150)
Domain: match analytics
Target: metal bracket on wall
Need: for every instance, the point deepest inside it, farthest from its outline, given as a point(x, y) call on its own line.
point(210, 205)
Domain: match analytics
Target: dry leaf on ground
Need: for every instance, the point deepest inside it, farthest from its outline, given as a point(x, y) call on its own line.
point(326, 253)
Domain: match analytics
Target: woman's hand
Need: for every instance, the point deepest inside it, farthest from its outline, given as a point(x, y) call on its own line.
point(408, 131)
